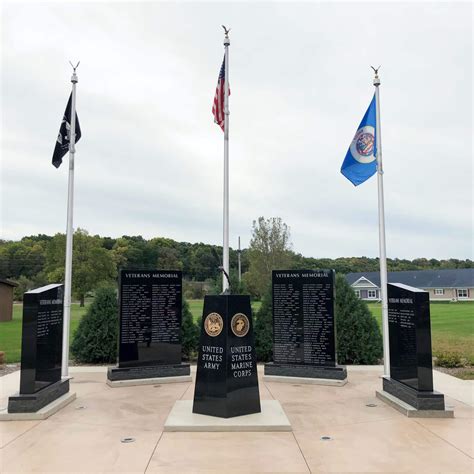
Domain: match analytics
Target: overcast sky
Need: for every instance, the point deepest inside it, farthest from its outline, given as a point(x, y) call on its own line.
point(150, 160)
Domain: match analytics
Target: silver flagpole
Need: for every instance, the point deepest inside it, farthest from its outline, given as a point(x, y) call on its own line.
point(69, 231)
point(382, 248)
point(240, 264)
point(225, 247)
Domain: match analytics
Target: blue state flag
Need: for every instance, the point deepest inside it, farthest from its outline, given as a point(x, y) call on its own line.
point(360, 162)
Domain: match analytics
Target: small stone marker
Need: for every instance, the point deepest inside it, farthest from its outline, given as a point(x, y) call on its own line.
point(226, 380)
point(304, 329)
point(41, 350)
point(411, 371)
point(150, 327)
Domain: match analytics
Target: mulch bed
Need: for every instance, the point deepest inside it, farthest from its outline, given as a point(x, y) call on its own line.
point(464, 373)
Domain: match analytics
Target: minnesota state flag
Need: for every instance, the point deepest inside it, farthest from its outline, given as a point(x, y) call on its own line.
point(360, 162)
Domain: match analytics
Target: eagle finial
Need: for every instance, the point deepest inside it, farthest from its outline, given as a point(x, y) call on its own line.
point(226, 31)
point(76, 66)
point(376, 70)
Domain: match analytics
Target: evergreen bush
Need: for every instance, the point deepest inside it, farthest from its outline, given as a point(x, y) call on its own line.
point(96, 338)
point(359, 340)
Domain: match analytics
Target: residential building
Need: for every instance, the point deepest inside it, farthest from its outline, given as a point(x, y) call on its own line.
point(442, 285)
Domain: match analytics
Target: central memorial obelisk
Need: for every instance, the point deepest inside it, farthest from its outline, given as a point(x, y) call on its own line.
point(226, 380)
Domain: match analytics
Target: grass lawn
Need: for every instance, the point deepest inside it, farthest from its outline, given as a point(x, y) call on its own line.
point(10, 332)
point(452, 327)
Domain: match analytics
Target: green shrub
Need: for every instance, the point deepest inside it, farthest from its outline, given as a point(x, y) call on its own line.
point(449, 360)
point(359, 340)
point(263, 329)
point(189, 334)
point(95, 339)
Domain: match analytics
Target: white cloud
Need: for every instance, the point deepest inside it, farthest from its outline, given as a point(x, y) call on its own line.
point(150, 160)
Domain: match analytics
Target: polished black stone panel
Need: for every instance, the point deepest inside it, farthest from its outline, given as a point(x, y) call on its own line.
point(150, 318)
point(147, 372)
point(410, 336)
point(306, 371)
point(226, 379)
point(304, 326)
point(421, 400)
point(32, 402)
point(42, 332)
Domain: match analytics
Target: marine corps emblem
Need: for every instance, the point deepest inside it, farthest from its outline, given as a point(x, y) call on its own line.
point(240, 324)
point(213, 324)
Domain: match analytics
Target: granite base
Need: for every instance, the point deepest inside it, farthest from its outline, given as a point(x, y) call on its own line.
point(408, 410)
point(42, 413)
point(152, 381)
point(305, 380)
point(339, 372)
point(417, 399)
point(271, 418)
point(147, 372)
point(33, 402)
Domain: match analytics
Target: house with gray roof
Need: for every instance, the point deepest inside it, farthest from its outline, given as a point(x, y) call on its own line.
point(442, 285)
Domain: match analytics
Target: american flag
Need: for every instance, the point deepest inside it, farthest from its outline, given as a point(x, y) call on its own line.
point(218, 104)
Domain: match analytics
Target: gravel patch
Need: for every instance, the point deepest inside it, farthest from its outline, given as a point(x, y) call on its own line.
point(8, 369)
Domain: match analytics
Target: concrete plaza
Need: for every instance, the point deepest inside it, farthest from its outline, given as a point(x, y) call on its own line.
point(86, 435)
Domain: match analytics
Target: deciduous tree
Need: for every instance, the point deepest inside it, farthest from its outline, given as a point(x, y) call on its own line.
point(270, 249)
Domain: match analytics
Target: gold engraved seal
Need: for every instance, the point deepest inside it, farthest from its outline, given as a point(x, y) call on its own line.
point(213, 324)
point(240, 324)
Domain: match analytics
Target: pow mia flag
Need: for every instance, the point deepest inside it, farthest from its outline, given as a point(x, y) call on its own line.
point(62, 142)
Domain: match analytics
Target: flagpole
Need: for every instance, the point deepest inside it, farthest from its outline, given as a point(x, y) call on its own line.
point(382, 246)
point(69, 231)
point(240, 263)
point(225, 247)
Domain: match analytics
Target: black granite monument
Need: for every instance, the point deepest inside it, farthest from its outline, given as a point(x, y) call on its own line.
point(304, 329)
point(150, 326)
point(411, 371)
point(41, 351)
point(226, 380)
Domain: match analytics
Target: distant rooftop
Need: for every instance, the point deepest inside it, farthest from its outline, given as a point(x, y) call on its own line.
point(456, 278)
point(8, 282)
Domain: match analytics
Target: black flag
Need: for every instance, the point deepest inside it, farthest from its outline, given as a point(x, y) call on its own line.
point(62, 142)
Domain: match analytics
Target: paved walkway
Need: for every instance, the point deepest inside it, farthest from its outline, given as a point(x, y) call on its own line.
point(86, 435)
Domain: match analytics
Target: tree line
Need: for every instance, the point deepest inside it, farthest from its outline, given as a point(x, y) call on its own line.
point(37, 260)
